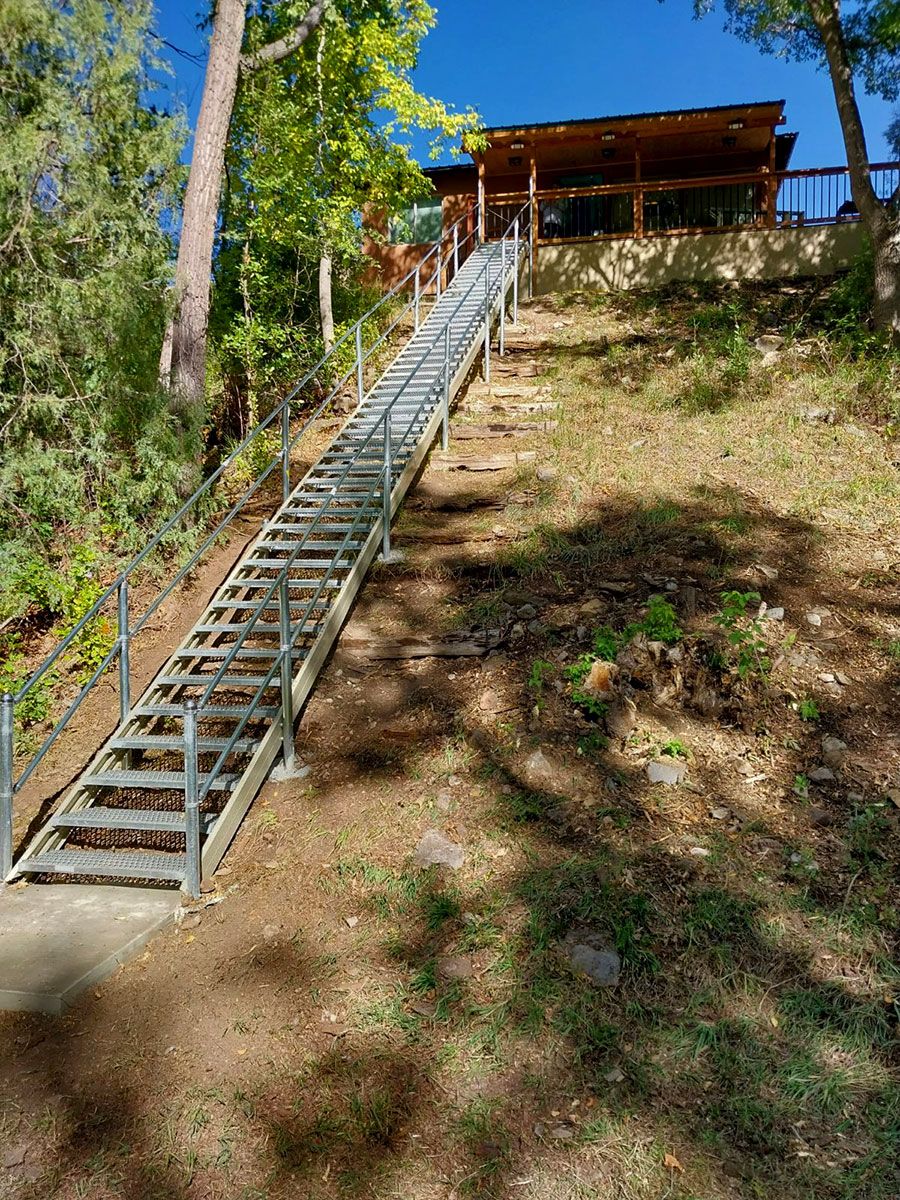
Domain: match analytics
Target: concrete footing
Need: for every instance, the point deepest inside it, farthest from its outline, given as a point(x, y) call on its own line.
point(57, 940)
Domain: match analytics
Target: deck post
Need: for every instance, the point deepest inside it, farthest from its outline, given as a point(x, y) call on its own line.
point(445, 427)
point(287, 682)
point(487, 324)
point(772, 185)
point(191, 802)
point(416, 291)
point(501, 336)
point(637, 198)
point(482, 224)
point(7, 752)
point(535, 227)
point(386, 489)
point(515, 311)
point(360, 384)
point(285, 450)
point(124, 662)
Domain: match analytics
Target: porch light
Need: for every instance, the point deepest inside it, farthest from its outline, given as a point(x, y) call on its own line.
point(517, 145)
point(607, 137)
point(736, 124)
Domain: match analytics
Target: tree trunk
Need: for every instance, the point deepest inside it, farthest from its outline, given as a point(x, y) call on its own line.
point(886, 307)
point(883, 230)
point(201, 206)
point(326, 313)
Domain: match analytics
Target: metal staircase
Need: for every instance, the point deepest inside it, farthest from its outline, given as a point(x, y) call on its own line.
point(163, 797)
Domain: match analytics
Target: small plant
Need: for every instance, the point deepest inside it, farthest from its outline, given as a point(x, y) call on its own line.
point(675, 749)
point(606, 643)
point(575, 672)
point(540, 672)
point(808, 710)
point(591, 705)
point(660, 623)
point(801, 786)
point(744, 633)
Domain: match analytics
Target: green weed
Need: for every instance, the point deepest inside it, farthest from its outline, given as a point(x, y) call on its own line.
point(744, 633)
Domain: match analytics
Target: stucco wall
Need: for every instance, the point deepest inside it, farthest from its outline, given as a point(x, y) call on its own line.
point(649, 262)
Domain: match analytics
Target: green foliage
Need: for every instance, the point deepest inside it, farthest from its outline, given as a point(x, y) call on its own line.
point(606, 644)
point(675, 749)
point(808, 710)
point(317, 141)
point(660, 623)
point(14, 672)
point(88, 179)
point(541, 670)
point(744, 633)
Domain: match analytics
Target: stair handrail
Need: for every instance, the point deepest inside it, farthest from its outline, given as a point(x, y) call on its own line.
point(10, 785)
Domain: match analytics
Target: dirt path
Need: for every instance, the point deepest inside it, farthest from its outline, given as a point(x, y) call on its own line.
point(337, 1021)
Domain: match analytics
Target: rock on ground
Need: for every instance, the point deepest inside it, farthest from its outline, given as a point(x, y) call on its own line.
point(435, 850)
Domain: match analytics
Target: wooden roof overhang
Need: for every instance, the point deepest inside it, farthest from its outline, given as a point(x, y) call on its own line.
point(664, 136)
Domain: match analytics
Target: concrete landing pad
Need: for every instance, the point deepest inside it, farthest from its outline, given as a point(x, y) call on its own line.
point(58, 939)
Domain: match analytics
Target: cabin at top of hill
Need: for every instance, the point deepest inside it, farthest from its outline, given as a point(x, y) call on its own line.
point(631, 176)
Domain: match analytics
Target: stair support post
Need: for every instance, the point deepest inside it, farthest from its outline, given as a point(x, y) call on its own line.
point(416, 294)
point(360, 384)
point(191, 802)
point(437, 275)
point(285, 451)
point(487, 325)
point(445, 426)
point(515, 311)
point(501, 337)
point(287, 681)
point(455, 250)
point(7, 752)
point(386, 489)
point(124, 654)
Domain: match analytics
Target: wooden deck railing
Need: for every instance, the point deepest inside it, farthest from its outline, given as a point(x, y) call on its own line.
point(672, 207)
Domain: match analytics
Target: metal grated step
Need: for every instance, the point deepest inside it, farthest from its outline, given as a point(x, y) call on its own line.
point(227, 681)
point(153, 820)
point(167, 781)
point(166, 741)
point(214, 712)
point(117, 864)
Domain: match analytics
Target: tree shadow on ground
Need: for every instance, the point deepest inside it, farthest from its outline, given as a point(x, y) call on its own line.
point(751, 1036)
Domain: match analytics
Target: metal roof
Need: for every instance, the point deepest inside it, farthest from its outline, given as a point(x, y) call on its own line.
point(619, 117)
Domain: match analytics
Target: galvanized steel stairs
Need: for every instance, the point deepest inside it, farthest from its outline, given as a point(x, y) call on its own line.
point(125, 816)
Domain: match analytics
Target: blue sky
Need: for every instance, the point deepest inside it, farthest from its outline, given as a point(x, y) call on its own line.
point(541, 60)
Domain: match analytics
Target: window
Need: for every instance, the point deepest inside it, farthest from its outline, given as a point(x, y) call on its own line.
point(421, 222)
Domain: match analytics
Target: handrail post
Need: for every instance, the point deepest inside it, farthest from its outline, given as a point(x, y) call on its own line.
point(515, 312)
point(287, 682)
point(437, 277)
point(487, 325)
point(360, 385)
point(285, 450)
point(456, 249)
point(7, 753)
point(191, 802)
point(501, 337)
point(416, 289)
point(445, 431)
point(124, 645)
point(386, 489)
